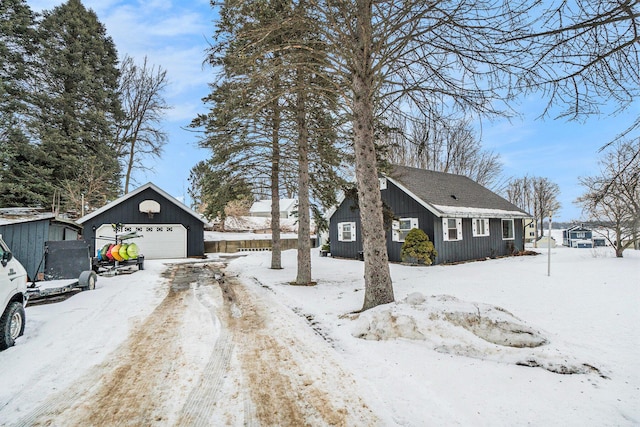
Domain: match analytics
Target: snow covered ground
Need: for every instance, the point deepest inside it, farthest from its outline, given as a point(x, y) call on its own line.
point(495, 343)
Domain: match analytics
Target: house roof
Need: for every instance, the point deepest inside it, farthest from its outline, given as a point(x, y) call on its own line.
point(135, 192)
point(450, 195)
point(265, 205)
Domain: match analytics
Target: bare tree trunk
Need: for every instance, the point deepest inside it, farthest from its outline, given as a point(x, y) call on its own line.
point(304, 244)
point(127, 178)
point(377, 278)
point(276, 247)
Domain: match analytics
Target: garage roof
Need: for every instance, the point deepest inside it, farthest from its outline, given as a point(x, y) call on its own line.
point(133, 193)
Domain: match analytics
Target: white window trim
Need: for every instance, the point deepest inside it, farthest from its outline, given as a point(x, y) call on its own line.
point(445, 229)
point(476, 233)
point(340, 231)
point(513, 229)
point(397, 231)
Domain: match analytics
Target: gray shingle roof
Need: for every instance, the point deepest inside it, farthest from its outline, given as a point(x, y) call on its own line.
point(448, 194)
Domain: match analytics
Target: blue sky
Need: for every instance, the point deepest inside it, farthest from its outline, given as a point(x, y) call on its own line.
point(174, 35)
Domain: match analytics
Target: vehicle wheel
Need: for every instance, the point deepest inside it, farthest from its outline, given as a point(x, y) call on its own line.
point(11, 324)
point(88, 279)
point(141, 263)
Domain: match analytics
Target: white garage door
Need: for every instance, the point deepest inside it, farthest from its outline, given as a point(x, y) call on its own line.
point(158, 240)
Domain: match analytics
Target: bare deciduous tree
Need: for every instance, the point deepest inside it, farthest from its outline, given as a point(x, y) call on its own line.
point(443, 145)
point(612, 199)
point(535, 195)
point(139, 134)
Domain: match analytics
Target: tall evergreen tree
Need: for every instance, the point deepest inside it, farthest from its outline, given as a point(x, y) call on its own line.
point(20, 182)
point(271, 110)
point(77, 103)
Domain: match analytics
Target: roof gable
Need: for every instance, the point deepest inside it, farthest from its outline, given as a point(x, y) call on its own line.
point(286, 205)
point(446, 194)
point(129, 195)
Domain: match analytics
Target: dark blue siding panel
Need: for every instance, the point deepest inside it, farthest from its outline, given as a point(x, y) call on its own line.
point(128, 212)
point(26, 241)
point(405, 206)
point(472, 248)
point(346, 212)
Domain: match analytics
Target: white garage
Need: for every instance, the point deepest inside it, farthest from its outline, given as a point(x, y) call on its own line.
point(157, 241)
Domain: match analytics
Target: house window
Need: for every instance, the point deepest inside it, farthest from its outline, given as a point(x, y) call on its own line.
point(452, 229)
point(346, 231)
point(402, 227)
point(480, 227)
point(507, 229)
point(580, 235)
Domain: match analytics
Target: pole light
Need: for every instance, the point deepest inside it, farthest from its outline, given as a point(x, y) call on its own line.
point(549, 247)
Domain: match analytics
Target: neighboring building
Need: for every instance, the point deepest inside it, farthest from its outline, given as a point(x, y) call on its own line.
point(463, 219)
point(529, 230)
point(544, 242)
point(577, 236)
point(262, 208)
point(169, 229)
point(26, 230)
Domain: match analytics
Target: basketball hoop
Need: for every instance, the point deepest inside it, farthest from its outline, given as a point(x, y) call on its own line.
point(149, 207)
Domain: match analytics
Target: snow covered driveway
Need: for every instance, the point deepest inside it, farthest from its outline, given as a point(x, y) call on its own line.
point(213, 352)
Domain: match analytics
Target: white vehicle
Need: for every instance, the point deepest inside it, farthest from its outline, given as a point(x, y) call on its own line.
point(13, 291)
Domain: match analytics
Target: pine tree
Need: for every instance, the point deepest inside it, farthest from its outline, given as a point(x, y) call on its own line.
point(21, 182)
point(77, 103)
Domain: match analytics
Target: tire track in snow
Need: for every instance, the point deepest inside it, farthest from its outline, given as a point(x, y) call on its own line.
point(202, 400)
point(289, 373)
point(136, 385)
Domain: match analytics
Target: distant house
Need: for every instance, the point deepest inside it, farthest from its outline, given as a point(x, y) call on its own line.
point(262, 208)
point(463, 219)
point(529, 230)
point(26, 230)
point(578, 236)
point(169, 229)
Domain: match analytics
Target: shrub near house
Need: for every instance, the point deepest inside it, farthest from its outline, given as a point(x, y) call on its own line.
point(417, 248)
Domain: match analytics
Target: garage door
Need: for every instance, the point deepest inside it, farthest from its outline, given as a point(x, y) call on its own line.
point(158, 240)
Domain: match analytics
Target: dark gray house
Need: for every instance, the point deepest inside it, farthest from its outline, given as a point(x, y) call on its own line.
point(463, 219)
point(169, 229)
point(26, 230)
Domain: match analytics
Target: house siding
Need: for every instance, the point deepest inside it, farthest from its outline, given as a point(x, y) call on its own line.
point(470, 247)
point(405, 206)
point(128, 212)
point(346, 212)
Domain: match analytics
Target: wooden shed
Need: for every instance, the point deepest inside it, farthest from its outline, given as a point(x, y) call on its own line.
point(167, 227)
point(26, 230)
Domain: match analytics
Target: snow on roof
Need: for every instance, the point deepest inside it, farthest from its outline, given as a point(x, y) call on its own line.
point(21, 215)
point(465, 212)
point(265, 205)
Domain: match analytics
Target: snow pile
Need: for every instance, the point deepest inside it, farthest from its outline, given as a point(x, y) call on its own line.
point(449, 325)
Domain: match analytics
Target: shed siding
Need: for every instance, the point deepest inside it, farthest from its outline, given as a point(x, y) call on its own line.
point(26, 241)
point(128, 212)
